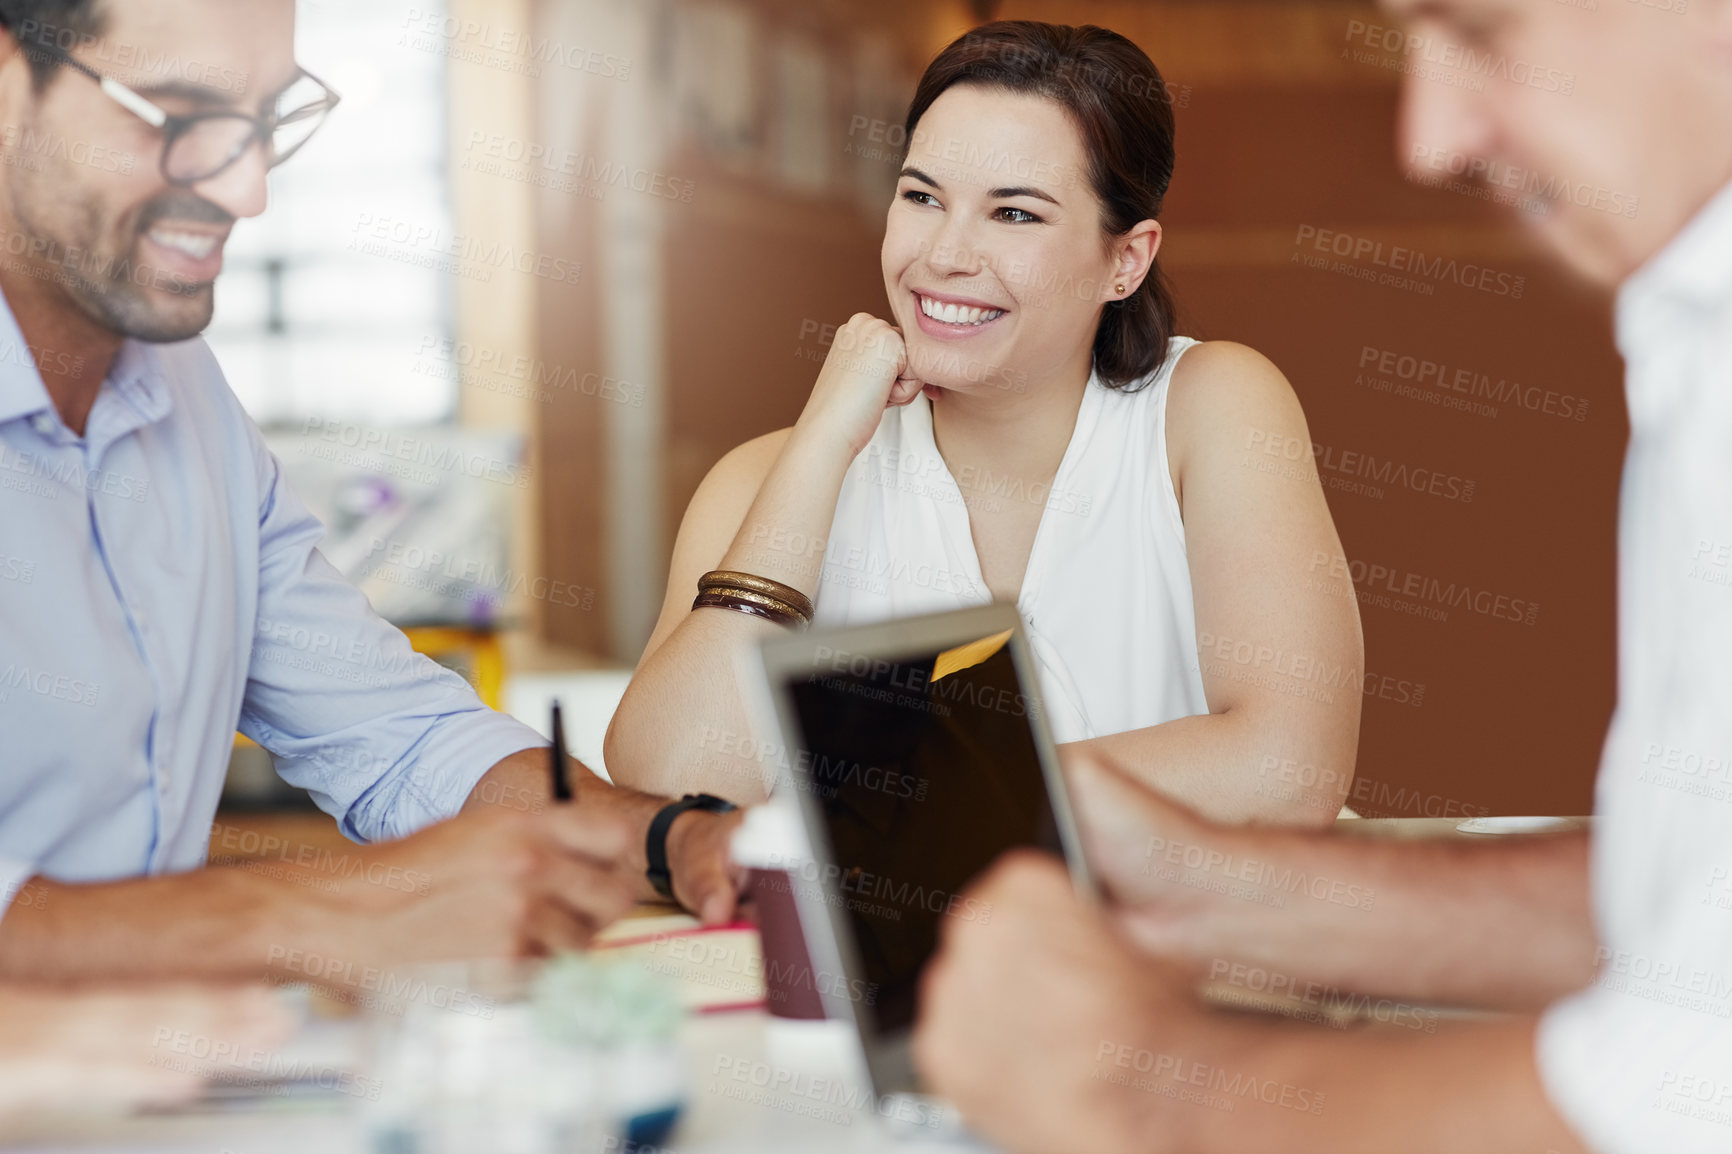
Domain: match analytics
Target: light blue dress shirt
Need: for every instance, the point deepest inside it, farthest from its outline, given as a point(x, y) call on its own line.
point(160, 586)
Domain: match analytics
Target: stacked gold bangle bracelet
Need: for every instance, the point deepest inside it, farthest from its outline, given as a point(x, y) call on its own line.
point(758, 596)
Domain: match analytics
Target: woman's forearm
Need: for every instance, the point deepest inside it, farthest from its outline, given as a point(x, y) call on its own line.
point(1234, 767)
point(683, 724)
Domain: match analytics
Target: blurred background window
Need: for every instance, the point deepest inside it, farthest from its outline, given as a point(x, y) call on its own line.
point(316, 317)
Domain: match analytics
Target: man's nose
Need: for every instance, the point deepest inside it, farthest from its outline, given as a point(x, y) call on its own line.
point(240, 189)
point(1443, 127)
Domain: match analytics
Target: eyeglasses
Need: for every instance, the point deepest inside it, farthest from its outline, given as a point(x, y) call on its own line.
point(200, 146)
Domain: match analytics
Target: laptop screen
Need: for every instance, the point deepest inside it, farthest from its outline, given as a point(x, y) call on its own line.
point(925, 769)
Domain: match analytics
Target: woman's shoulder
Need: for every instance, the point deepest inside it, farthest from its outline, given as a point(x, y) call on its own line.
point(757, 454)
point(1206, 376)
point(1217, 380)
point(1227, 363)
point(1221, 388)
point(742, 469)
point(732, 483)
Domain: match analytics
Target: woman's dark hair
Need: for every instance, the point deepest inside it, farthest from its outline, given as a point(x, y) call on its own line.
point(1116, 98)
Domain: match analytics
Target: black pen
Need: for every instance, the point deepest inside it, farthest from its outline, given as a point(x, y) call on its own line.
point(561, 780)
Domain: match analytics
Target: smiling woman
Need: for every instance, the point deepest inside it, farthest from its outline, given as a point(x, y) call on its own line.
point(1027, 428)
point(1115, 103)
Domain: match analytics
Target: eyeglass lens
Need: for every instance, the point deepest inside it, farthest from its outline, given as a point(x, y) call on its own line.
point(211, 143)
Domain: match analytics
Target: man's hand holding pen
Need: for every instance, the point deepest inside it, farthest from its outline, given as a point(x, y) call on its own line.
point(495, 882)
point(506, 883)
point(515, 874)
point(521, 874)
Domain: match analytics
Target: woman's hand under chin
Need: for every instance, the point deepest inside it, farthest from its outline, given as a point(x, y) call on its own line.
point(864, 374)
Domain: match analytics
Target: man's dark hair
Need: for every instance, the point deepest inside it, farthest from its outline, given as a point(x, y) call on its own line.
point(40, 25)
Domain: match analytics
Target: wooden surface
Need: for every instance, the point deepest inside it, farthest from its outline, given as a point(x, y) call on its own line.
point(258, 836)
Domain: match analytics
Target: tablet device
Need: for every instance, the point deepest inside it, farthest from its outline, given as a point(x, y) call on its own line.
point(918, 753)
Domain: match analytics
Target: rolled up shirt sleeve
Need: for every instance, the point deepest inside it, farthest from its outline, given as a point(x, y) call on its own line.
point(384, 739)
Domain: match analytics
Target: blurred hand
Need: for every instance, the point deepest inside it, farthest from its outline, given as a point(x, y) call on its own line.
point(1029, 1019)
point(104, 1051)
point(499, 883)
point(706, 880)
point(863, 374)
point(1127, 831)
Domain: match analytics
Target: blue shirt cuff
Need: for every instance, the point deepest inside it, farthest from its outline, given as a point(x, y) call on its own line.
point(454, 756)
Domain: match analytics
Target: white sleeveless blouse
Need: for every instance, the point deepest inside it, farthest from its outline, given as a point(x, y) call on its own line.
point(1107, 597)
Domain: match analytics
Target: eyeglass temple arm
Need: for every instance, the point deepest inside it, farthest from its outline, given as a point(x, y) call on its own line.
point(112, 88)
point(133, 102)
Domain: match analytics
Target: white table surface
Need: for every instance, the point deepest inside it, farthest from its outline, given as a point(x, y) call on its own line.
point(724, 1115)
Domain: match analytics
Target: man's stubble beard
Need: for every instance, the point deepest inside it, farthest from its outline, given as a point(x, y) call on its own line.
point(94, 281)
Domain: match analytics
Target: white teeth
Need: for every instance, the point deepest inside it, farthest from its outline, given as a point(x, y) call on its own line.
point(955, 314)
point(192, 244)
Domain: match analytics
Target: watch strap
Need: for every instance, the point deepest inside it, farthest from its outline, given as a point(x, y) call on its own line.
point(656, 841)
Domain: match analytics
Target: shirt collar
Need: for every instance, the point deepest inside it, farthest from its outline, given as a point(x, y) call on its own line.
point(21, 390)
point(136, 377)
point(1692, 275)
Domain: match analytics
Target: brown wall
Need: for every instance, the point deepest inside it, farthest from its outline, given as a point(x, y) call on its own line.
point(1512, 714)
point(1277, 132)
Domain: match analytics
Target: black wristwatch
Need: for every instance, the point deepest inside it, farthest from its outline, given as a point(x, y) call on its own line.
point(655, 845)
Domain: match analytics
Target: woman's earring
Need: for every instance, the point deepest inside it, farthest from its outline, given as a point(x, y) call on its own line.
point(1119, 288)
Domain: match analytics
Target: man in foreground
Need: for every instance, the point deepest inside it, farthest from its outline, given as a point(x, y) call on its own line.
point(161, 581)
point(1636, 1055)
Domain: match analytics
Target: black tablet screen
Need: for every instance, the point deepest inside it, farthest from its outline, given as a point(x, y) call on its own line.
point(925, 770)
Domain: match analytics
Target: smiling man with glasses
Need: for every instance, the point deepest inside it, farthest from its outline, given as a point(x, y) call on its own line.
point(150, 276)
point(199, 147)
point(160, 584)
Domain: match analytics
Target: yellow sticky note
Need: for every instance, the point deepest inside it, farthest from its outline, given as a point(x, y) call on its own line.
point(964, 656)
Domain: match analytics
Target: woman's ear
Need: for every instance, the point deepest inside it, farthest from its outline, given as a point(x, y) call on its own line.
point(1134, 256)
